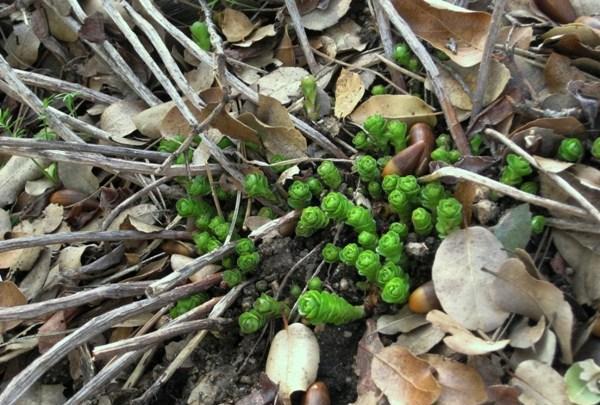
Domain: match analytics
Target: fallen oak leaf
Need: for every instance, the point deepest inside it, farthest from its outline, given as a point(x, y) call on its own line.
point(10, 296)
point(349, 90)
point(539, 384)
point(409, 109)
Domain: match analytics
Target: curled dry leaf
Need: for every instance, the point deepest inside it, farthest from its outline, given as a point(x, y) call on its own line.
point(148, 121)
point(347, 36)
point(15, 174)
point(260, 34)
point(117, 118)
point(282, 84)
point(319, 19)
point(539, 384)
point(285, 51)
point(544, 350)
point(349, 90)
point(404, 378)
point(515, 290)
point(461, 340)
point(143, 212)
point(275, 128)
point(460, 281)
point(10, 296)
point(402, 322)
point(439, 22)
point(78, 177)
point(234, 24)
point(523, 336)
point(421, 340)
point(293, 359)
point(368, 346)
point(406, 108)
point(22, 47)
point(461, 384)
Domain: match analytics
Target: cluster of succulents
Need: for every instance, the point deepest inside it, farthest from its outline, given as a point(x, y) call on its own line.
point(444, 151)
point(380, 134)
point(186, 304)
point(264, 309)
point(404, 57)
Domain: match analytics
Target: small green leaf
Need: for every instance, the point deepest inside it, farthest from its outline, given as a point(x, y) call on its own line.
point(514, 228)
point(578, 389)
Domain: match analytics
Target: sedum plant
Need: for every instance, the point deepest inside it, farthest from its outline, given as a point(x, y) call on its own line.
point(257, 185)
point(311, 220)
point(330, 253)
point(361, 219)
point(391, 247)
point(299, 195)
point(232, 277)
point(449, 216)
point(515, 169)
point(321, 307)
point(336, 206)
point(422, 221)
point(349, 254)
point(368, 264)
point(330, 175)
point(308, 86)
point(396, 291)
point(367, 168)
point(570, 149)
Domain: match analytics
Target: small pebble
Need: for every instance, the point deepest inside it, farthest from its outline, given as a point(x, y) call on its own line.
point(344, 284)
point(486, 211)
point(347, 334)
point(416, 249)
point(245, 379)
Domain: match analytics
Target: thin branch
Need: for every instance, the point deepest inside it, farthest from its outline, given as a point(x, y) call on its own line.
point(88, 236)
point(19, 384)
point(40, 309)
point(419, 50)
point(385, 33)
point(149, 339)
point(292, 9)
point(504, 189)
point(486, 61)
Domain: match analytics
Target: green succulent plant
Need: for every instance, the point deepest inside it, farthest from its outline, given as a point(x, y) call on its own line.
point(399, 203)
point(391, 247)
point(199, 186)
point(409, 186)
point(269, 306)
point(396, 291)
point(515, 169)
point(349, 254)
point(244, 245)
point(367, 264)
point(186, 304)
point(530, 187)
point(299, 195)
point(330, 253)
point(596, 148)
point(367, 168)
point(336, 205)
point(402, 54)
point(232, 277)
point(321, 307)
point(188, 207)
point(315, 284)
point(388, 271)
point(170, 145)
point(570, 150)
point(201, 35)
point(431, 194)
point(361, 219)
point(449, 216)
point(374, 189)
point(315, 186)
point(367, 240)
point(257, 185)
point(538, 222)
point(248, 262)
point(422, 221)
point(308, 86)
point(396, 134)
point(311, 220)
point(475, 144)
point(390, 183)
point(361, 141)
point(378, 90)
point(251, 321)
point(330, 175)
point(375, 126)
point(400, 228)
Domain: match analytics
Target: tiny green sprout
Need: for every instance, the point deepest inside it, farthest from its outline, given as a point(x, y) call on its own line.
point(368, 264)
point(213, 244)
point(222, 194)
point(378, 90)
point(596, 148)
point(221, 231)
point(361, 141)
point(383, 161)
point(315, 186)
point(186, 304)
point(388, 271)
point(232, 277)
point(295, 290)
point(449, 216)
point(201, 35)
point(321, 307)
point(215, 222)
point(268, 306)
point(46, 134)
point(225, 142)
point(187, 207)
point(396, 134)
point(336, 205)
point(538, 222)
point(248, 262)
point(391, 247)
point(375, 126)
point(308, 85)
point(413, 64)
point(361, 219)
point(570, 150)
point(311, 220)
point(184, 158)
point(330, 253)
point(257, 185)
point(315, 284)
point(367, 168)
point(530, 187)
point(199, 186)
point(454, 156)
point(228, 262)
point(251, 321)
point(402, 54)
point(400, 228)
point(422, 222)
point(431, 194)
point(410, 186)
point(266, 212)
point(201, 240)
point(299, 195)
point(330, 175)
point(170, 145)
point(279, 168)
point(515, 169)
point(396, 291)
point(349, 254)
point(244, 245)
point(475, 144)
point(440, 154)
point(443, 140)
point(367, 240)
point(374, 189)
point(390, 183)
point(399, 203)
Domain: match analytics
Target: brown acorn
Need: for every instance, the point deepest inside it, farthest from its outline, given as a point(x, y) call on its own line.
point(317, 394)
point(423, 299)
point(415, 158)
point(66, 197)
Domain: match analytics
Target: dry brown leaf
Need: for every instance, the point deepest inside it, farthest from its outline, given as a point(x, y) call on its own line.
point(461, 384)
point(539, 384)
point(503, 395)
point(402, 322)
point(319, 19)
point(368, 346)
point(143, 212)
point(543, 350)
point(564, 125)
point(117, 118)
point(559, 10)
point(439, 23)
point(512, 36)
point(574, 40)
point(460, 281)
point(58, 28)
point(409, 109)
point(515, 290)
point(50, 331)
point(15, 174)
point(404, 378)
point(10, 296)
point(461, 340)
point(5, 224)
point(346, 36)
point(78, 177)
point(559, 72)
point(236, 26)
point(201, 78)
point(35, 279)
point(259, 34)
point(173, 122)
point(276, 130)
point(22, 47)
point(523, 336)
point(285, 51)
point(148, 121)
point(349, 90)
point(282, 84)
point(421, 340)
